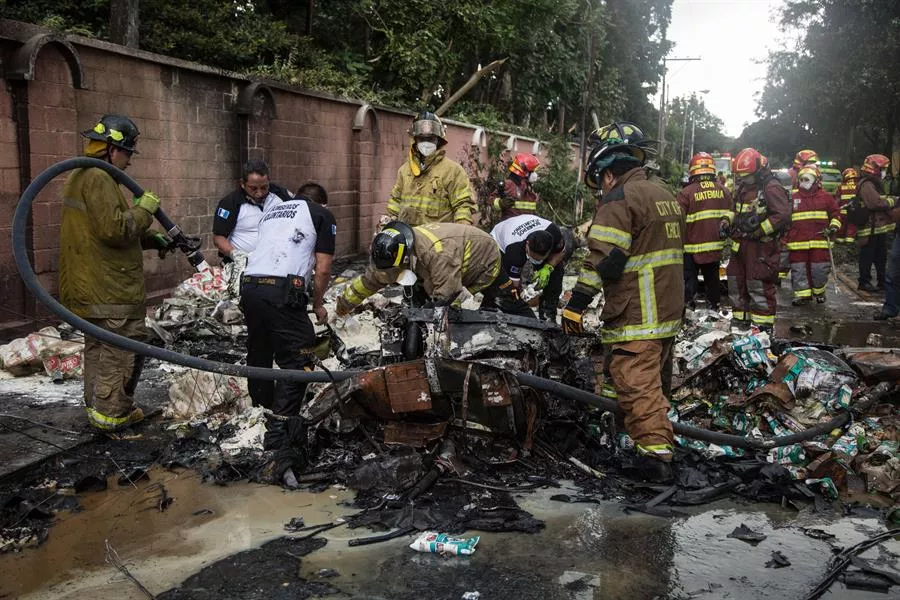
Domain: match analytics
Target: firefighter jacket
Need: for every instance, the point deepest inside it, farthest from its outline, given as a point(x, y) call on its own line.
point(813, 211)
point(101, 266)
point(704, 203)
point(637, 259)
point(760, 215)
point(844, 194)
point(517, 198)
point(871, 192)
point(437, 191)
point(447, 257)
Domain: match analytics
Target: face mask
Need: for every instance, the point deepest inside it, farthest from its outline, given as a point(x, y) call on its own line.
point(535, 261)
point(883, 173)
point(806, 184)
point(532, 177)
point(426, 148)
point(406, 277)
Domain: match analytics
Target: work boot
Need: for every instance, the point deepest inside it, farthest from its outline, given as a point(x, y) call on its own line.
point(800, 301)
point(653, 469)
point(867, 287)
point(820, 299)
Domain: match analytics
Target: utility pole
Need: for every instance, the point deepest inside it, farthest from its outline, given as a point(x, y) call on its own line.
point(662, 105)
point(693, 125)
point(684, 129)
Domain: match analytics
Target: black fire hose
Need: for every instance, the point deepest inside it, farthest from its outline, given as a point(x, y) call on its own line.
point(20, 222)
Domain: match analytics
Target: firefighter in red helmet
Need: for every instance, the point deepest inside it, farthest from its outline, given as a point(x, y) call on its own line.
point(761, 214)
point(517, 197)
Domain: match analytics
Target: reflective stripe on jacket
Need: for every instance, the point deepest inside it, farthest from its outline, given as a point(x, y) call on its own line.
point(772, 207)
point(813, 211)
point(704, 203)
point(436, 192)
point(872, 194)
point(518, 198)
point(447, 258)
point(101, 264)
point(644, 222)
point(844, 194)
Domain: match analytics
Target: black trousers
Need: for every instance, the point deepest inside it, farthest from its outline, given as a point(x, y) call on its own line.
point(710, 273)
point(280, 332)
point(873, 253)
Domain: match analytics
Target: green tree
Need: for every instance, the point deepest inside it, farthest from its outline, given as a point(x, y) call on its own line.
point(840, 83)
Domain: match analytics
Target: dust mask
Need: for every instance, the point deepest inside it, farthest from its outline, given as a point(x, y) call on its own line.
point(532, 177)
point(807, 184)
point(535, 261)
point(426, 148)
point(883, 174)
point(406, 277)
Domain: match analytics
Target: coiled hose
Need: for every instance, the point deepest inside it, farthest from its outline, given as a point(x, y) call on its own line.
point(20, 222)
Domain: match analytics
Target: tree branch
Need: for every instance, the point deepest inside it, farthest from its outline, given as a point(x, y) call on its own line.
point(462, 91)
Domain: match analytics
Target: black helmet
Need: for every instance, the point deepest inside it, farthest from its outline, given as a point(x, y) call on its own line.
point(117, 130)
point(393, 245)
point(619, 141)
point(428, 123)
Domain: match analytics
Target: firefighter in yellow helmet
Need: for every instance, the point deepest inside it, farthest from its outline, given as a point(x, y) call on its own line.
point(430, 187)
point(844, 194)
point(101, 269)
point(437, 260)
point(636, 259)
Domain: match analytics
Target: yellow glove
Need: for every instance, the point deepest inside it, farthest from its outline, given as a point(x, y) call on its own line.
point(149, 202)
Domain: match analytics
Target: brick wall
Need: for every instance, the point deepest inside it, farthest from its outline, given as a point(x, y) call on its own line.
point(190, 148)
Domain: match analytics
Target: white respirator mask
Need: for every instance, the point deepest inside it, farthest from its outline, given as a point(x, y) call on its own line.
point(407, 277)
point(883, 174)
point(426, 148)
point(807, 184)
point(532, 177)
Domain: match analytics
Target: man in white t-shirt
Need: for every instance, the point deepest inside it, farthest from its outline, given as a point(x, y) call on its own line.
point(295, 238)
point(236, 222)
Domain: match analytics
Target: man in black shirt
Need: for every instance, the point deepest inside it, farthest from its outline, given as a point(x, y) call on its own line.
point(236, 221)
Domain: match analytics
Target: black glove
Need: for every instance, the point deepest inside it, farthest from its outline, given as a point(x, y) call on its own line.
point(724, 229)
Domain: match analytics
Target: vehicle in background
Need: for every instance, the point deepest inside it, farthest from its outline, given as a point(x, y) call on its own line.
point(831, 179)
point(723, 166)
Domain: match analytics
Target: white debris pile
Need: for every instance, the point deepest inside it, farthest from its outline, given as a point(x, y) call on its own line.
point(44, 350)
point(196, 394)
point(206, 304)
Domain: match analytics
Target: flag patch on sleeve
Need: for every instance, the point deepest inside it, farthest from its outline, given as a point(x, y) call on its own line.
point(223, 213)
point(334, 230)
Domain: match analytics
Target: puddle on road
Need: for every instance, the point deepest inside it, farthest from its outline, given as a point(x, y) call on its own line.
point(204, 523)
point(587, 551)
point(837, 333)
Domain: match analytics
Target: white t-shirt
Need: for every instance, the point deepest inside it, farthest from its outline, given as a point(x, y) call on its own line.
point(290, 235)
point(516, 229)
point(246, 230)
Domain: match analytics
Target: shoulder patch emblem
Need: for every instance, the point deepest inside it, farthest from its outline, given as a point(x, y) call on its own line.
point(333, 229)
point(223, 213)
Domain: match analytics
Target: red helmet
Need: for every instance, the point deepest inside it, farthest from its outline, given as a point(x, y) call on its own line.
point(874, 163)
point(524, 164)
point(702, 164)
point(805, 157)
point(749, 162)
point(849, 174)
